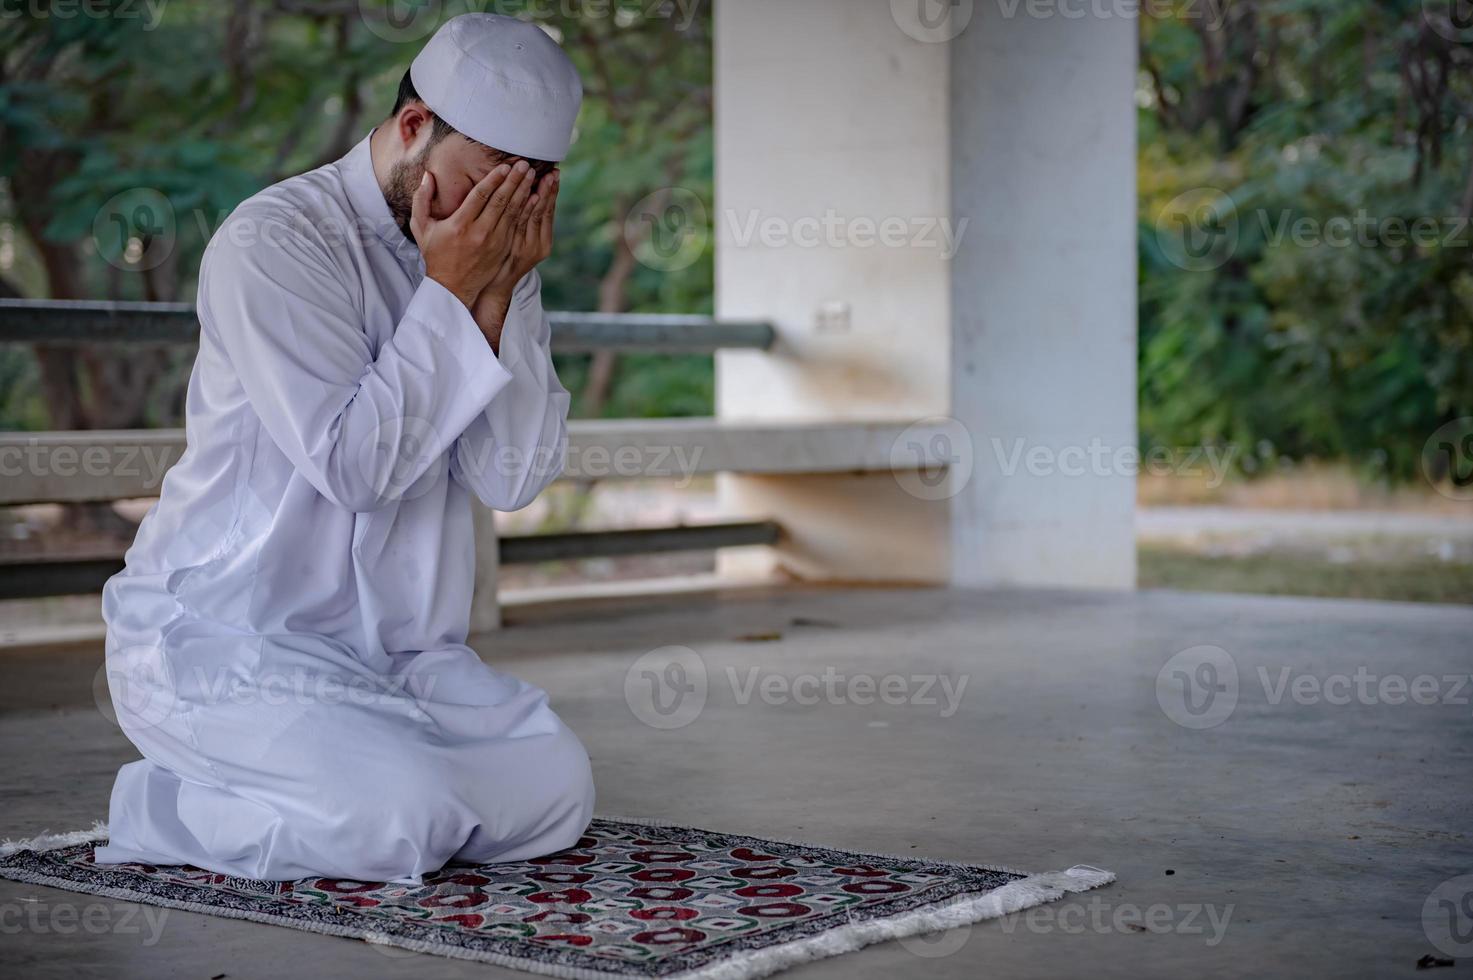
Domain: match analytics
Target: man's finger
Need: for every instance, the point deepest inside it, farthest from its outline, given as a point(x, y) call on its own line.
point(532, 214)
point(554, 182)
point(516, 207)
point(481, 195)
point(494, 215)
point(555, 187)
point(546, 190)
point(525, 204)
point(529, 230)
point(419, 212)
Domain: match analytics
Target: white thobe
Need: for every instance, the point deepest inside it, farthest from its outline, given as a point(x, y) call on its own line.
point(286, 646)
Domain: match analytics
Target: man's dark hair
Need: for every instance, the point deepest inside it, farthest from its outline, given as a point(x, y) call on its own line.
point(442, 129)
point(407, 94)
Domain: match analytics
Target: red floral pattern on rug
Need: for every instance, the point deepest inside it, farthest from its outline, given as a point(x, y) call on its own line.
point(627, 900)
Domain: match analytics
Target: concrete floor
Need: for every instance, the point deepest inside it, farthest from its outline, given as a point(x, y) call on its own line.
point(1297, 838)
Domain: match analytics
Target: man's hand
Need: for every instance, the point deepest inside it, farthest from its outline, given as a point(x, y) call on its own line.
point(475, 246)
point(532, 239)
point(532, 244)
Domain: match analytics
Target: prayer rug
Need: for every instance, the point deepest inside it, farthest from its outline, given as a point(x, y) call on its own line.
point(633, 898)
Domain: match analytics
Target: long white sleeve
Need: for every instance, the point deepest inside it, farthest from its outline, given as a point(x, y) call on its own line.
point(362, 429)
point(518, 445)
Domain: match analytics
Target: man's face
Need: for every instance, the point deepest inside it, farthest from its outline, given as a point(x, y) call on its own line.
point(457, 165)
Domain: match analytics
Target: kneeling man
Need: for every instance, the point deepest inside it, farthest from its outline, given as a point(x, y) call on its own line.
point(286, 646)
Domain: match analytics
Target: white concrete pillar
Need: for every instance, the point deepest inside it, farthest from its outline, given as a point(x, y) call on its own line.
point(1043, 291)
point(934, 202)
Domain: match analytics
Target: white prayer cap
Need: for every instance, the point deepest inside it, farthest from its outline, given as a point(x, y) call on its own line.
point(502, 82)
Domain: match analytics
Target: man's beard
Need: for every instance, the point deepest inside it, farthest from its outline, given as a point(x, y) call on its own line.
point(403, 181)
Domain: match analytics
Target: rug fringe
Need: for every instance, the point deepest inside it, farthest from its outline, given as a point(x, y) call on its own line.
point(1013, 897)
point(50, 842)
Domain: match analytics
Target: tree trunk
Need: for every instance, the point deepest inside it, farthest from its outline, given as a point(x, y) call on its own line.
point(612, 298)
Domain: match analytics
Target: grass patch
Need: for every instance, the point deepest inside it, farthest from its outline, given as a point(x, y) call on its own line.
point(1412, 581)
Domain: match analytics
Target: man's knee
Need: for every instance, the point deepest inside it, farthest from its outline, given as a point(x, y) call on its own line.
point(535, 801)
point(576, 783)
point(558, 781)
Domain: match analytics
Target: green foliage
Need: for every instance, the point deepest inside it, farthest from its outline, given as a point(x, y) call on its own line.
point(213, 101)
point(1401, 579)
point(650, 386)
point(1341, 324)
point(20, 399)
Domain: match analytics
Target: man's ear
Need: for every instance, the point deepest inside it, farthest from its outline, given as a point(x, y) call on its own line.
point(413, 120)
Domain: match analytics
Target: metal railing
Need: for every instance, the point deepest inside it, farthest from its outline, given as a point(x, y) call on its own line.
point(34, 579)
point(85, 322)
point(65, 322)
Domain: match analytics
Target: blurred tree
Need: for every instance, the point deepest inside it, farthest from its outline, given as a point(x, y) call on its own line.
point(126, 140)
point(129, 131)
point(1326, 144)
point(647, 74)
